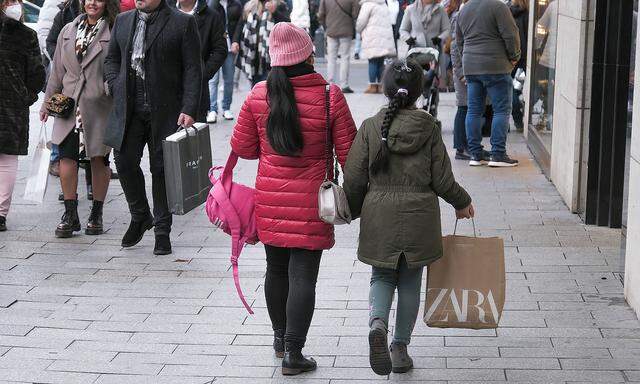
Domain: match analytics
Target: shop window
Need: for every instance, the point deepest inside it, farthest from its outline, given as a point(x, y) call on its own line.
point(543, 70)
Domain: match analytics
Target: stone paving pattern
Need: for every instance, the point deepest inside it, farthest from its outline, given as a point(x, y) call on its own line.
point(84, 310)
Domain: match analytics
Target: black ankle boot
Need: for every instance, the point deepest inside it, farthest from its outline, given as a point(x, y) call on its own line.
point(94, 226)
point(278, 342)
point(70, 221)
point(294, 363)
point(3, 224)
point(136, 231)
point(163, 245)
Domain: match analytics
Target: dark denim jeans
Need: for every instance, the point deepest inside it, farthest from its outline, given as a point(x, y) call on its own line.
point(500, 91)
point(459, 129)
point(376, 66)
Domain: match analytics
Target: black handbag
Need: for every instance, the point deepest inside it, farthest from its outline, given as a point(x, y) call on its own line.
point(59, 105)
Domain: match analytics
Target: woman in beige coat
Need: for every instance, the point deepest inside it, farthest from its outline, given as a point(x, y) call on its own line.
point(77, 73)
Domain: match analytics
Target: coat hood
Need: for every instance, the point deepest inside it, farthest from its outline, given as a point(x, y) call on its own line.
point(410, 130)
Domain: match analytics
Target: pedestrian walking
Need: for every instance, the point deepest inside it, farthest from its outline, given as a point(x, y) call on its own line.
point(398, 208)
point(258, 22)
point(339, 20)
point(154, 72)
point(425, 24)
point(487, 37)
point(211, 28)
point(459, 125)
point(77, 73)
point(231, 12)
point(22, 77)
point(520, 11)
point(283, 124)
point(378, 43)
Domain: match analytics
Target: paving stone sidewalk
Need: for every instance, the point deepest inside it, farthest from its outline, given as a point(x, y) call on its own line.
point(84, 310)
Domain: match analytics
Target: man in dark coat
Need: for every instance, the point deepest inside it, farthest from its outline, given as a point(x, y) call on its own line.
point(214, 45)
point(154, 72)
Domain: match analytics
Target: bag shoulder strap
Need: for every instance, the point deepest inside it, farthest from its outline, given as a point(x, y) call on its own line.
point(343, 10)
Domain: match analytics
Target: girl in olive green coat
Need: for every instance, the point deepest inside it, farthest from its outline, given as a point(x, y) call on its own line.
point(397, 168)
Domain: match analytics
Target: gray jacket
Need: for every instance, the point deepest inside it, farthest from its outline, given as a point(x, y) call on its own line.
point(424, 23)
point(456, 63)
point(487, 36)
point(339, 17)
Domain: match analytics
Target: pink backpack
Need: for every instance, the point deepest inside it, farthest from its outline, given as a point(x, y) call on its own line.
point(230, 207)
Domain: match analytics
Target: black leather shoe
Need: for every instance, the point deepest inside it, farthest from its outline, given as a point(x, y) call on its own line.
point(70, 221)
point(3, 227)
point(136, 231)
point(163, 245)
point(94, 226)
point(294, 363)
point(278, 343)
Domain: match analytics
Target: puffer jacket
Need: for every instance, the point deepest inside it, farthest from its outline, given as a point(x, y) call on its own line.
point(374, 24)
point(21, 78)
point(399, 208)
point(287, 186)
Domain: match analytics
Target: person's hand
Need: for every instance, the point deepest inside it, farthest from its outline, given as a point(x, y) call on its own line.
point(514, 63)
point(44, 115)
point(436, 41)
point(411, 41)
point(235, 48)
point(185, 121)
point(465, 213)
point(271, 6)
point(463, 80)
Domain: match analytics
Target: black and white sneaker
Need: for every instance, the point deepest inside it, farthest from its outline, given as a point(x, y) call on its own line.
point(477, 161)
point(502, 161)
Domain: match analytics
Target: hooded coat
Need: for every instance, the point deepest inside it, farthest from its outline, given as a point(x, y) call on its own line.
point(374, 24)
point(287, 186)
point(399, 208)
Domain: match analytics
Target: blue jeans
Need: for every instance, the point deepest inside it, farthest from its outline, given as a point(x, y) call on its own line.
point(227, 69)
point(459, 129)
point(500, 90)
point(384, 283)
point(376, 66)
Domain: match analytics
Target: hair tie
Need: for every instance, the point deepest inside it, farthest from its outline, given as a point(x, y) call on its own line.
point(402, 91)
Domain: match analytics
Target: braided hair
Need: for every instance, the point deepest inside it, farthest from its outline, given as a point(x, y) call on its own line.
point(402, 84)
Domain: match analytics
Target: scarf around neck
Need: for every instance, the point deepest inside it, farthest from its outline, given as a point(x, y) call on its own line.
point(85, 35)
point(138, 52)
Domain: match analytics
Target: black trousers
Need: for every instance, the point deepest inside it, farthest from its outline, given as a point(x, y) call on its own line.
point(290, 291)
point(127, 159)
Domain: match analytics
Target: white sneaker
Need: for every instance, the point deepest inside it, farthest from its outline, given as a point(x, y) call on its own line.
point(228, 115)
point(212, 117)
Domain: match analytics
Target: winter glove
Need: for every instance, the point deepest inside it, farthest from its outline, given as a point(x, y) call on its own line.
point(436, 41)
point(411, 41)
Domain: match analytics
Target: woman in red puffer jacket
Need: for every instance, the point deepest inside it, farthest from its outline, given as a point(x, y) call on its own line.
point(282, 123)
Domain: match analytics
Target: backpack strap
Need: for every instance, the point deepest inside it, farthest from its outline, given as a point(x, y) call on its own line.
point(233, 221)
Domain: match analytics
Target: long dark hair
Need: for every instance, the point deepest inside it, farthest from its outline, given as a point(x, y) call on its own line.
point(402, 84)
point(111, 10)
point(283, 123)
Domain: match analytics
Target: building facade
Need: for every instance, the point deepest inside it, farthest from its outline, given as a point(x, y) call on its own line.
point(581, 118)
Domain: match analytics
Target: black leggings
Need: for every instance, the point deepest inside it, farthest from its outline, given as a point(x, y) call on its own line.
point(291, 309)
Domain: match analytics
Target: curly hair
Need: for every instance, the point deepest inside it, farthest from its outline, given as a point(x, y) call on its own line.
point(111, 10)
point(402, 84)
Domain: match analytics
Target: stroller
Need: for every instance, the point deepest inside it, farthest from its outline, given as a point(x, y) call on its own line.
point(430, 93)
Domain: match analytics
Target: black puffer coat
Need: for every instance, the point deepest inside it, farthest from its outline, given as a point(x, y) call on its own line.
point(21, 78)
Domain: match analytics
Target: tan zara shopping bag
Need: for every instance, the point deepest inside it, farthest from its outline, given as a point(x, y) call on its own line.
point(466, 286)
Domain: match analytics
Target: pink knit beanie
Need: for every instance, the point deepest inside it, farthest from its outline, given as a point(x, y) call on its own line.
point(289, 45)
